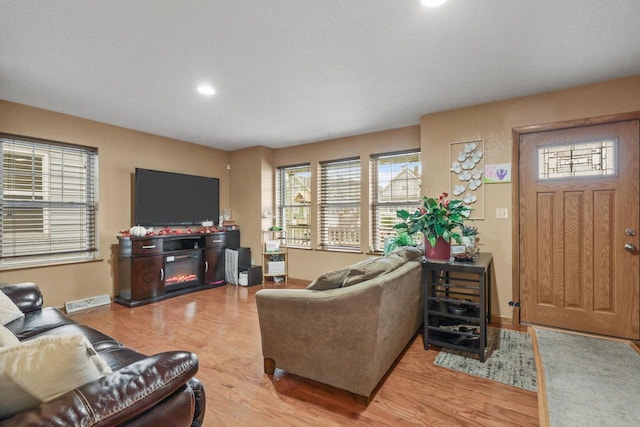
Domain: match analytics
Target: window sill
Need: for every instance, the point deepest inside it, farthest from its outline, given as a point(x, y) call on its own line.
point(344, 251)
point(52, 264)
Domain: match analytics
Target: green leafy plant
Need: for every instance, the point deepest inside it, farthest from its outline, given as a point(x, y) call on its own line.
point(435, 218)
point(402, 239)
point(469, 230)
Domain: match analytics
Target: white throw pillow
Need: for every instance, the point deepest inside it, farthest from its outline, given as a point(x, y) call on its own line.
point(41, 369)
point(7, 339)
point(8, 310)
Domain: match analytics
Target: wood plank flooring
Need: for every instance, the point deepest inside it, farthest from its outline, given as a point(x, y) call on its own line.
point(221, 326)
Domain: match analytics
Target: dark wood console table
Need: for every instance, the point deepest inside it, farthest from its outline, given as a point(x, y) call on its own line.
point(457, 304)
point(153, 268)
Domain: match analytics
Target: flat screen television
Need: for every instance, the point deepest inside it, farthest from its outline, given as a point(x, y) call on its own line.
point(167, 198)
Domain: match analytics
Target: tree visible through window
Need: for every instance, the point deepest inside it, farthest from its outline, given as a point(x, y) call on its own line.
point(395, 184)
point(293, 200)
point(340, 205)
point(48, 202)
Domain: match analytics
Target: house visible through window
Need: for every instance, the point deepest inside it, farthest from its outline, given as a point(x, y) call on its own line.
point(48, 199)
point(293, 200)
point(395, 184)
point(340, 205)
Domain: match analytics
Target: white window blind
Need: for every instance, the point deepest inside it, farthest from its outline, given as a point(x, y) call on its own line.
point(395, 184)
point(293, 200)
point(340, 205)
point(48, 200)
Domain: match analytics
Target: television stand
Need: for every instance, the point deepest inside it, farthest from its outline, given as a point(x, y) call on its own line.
point(154, 268)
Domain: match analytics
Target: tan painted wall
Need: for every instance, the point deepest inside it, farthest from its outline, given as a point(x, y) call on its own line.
point(251, 194)
point(248, 188)
point(308, 264)
point(494, 123)
point(120, 152)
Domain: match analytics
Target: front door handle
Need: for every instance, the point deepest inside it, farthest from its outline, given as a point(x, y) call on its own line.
point(629, 247)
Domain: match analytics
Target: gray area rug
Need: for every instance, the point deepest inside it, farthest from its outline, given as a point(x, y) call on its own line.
point(589, 381)
point(510, 359)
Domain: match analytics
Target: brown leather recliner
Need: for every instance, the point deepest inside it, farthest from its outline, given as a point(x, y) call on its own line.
point(141, 391)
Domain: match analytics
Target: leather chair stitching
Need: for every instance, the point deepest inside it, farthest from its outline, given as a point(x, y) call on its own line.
point(140, 397)
point(85, 402)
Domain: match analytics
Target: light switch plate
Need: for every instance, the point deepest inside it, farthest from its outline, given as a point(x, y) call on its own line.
point(502, 213)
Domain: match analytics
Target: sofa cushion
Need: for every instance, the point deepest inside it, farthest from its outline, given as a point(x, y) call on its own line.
point(44, 368)
point(8, 310)
point(374, 267)
point(408, 253)
point(37, 322)
point(7, 338)
point(370, 268)
point(330, 280)
point(99, 341)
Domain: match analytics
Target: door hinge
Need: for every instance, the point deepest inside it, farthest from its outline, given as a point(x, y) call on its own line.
point(514, 304)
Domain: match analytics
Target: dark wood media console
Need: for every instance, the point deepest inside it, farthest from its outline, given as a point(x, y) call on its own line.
point(153, 268)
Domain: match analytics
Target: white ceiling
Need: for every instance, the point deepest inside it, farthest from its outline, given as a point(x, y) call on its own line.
point(294, 71)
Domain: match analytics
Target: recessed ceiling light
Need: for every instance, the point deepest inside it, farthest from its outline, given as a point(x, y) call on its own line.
point(433, 3)
point(206, 89)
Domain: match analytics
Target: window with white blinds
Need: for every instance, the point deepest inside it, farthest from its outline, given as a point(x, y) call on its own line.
point(339, 205)
point(48, 202)
point(395, 184)
point(293, 204)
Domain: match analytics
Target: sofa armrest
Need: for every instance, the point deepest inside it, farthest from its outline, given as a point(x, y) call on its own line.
point(26, 296)
point(117, 397)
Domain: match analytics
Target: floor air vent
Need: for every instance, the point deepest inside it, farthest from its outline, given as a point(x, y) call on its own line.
point(83, 304)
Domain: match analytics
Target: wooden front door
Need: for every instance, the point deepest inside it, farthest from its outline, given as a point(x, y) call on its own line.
point(580, 227)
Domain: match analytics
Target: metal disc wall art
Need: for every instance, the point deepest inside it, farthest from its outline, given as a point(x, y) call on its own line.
point(466, 170)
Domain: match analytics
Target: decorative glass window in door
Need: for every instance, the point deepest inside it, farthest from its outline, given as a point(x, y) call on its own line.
point(577, 160)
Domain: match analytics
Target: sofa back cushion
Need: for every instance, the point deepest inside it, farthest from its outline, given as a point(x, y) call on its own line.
point(408, 253)
point(330, 280)
point(41, 369)
point(374, 267)
point(364, 270)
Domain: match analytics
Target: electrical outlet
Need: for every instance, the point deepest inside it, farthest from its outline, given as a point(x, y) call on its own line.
point(502, 213)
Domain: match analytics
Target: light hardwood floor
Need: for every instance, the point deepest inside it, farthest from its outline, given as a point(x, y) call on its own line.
point(221, 326)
